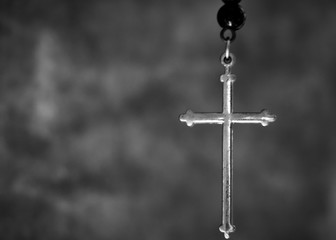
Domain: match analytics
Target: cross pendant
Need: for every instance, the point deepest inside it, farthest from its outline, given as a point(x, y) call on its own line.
point(227, 118)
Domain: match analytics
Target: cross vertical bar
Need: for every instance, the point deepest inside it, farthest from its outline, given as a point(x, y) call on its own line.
point(227, 226)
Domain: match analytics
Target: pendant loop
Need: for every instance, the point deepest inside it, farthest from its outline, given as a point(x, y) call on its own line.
point(227, 62)
point(228, 34)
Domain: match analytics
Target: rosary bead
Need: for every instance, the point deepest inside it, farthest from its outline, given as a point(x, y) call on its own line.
point(231, 16)
point(231, 1)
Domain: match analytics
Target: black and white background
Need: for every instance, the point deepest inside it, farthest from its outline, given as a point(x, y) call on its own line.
point(90, 142)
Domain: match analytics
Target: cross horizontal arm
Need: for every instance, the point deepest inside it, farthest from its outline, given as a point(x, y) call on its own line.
point(191, 118)
point(264, 118)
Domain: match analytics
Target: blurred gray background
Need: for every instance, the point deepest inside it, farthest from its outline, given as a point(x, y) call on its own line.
point(90, 142)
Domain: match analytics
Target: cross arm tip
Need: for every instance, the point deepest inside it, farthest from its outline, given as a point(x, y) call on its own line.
point(226, 231)
point(187, 118)
point(267, 118)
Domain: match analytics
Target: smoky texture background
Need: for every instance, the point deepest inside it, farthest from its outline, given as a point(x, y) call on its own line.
point(90, 142)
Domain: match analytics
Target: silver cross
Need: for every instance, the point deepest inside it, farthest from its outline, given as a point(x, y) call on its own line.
point(227, 117)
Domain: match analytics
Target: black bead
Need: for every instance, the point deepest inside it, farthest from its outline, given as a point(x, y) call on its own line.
point(231, 16)
point(231, 1)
